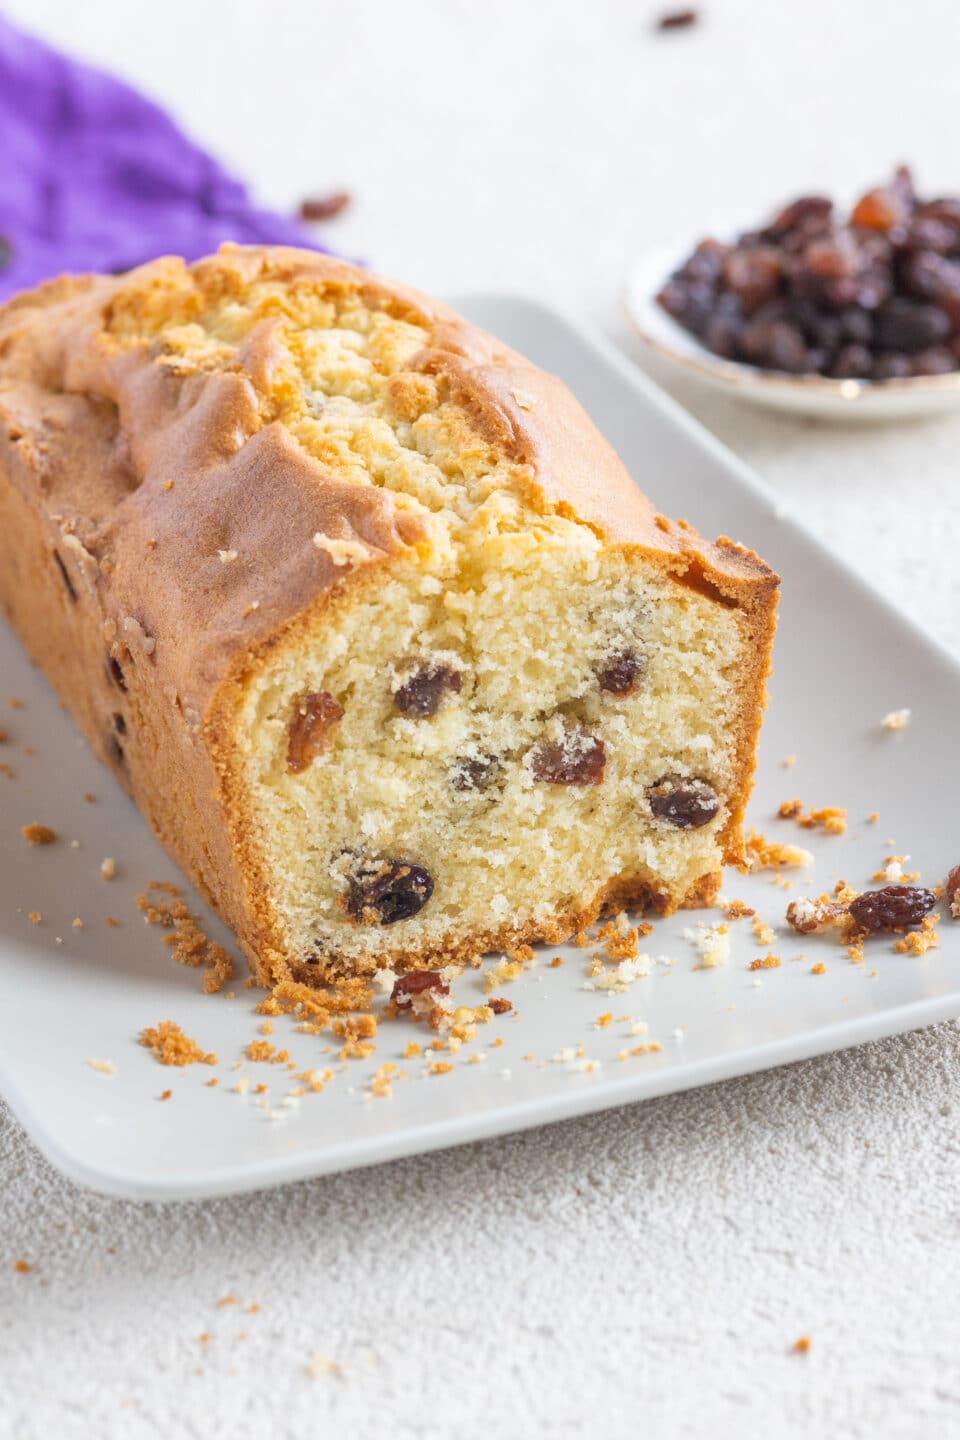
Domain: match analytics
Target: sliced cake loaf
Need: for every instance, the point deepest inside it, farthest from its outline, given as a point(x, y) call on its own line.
point(371, 622)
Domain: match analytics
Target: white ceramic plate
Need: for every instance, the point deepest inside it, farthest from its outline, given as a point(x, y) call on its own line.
point(814, 395)
point(844, 659)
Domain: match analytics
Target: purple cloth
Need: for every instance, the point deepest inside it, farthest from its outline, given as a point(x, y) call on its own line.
point(95, 177)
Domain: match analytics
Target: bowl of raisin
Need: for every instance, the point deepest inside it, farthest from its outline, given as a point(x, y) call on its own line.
point(850, 315)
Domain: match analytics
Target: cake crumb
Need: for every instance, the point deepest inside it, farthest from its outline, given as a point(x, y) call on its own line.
point(503, 971)
point(108, 868)
point(896, 720)
point(412, 1050)
point(918, 942)
point(801, 1346)
point(22, 1267)
point(712, 941)
point(165, 1094)
point(37, 834)
point(439, 1067)
point(789, 761)
point(602, 1021)
point(102, 1067)
point(556, 962)
point(830, 818)
point(818, 969)
point(34, 917)
point(765, 962)
point(764, 854)
point(170, 1046)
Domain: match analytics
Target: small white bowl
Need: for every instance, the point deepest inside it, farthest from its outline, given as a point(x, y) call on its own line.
point(815, 395)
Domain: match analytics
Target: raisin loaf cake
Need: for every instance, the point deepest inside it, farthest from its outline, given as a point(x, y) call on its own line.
point(365, 615)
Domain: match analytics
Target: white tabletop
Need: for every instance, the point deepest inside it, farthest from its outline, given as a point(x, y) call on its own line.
point(650, 1266)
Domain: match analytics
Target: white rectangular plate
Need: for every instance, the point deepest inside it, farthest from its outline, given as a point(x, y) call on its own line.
point(843, 659)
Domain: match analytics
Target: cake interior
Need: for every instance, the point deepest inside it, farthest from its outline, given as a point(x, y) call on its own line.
point(478, 794)
point(474, 739)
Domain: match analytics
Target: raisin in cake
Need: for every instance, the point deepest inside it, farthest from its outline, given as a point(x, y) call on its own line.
point(364, 613)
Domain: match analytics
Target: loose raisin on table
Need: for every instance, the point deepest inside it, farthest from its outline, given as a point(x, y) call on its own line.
point(622, 673)
point(893, 907)
point(385, 891)
point(314, 718)
point(688, 804)
point(420, 696)
point(577, 759)
point(415, 983)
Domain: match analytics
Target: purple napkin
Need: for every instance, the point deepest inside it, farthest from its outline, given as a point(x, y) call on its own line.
point(95, 177)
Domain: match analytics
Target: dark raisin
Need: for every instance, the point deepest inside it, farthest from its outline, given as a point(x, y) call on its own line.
point(893, 907)
point(499, 1006)
point(688, 804)
point(909, 325)
point(927, 233)
point(119, 724)
point(753, 276)
point(891, 365)
point(310, 730)
point(324, 207)
point(385, 891)
point(415, 983)
point(622, 672)
point(706, 262)
point(938, 360)
point(115, 671)
point(475, 772)
point(64, 576)
point(420, 696)
point(678, 19)
point(778, 346)
point(852, 362)
point(811, 214)
point(577, 759)
point(931, 277)
point(115, 750)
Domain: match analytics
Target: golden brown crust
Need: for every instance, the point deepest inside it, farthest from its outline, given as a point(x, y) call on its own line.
point(125, 479)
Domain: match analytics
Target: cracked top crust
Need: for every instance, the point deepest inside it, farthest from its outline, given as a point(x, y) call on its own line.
point(183, 429)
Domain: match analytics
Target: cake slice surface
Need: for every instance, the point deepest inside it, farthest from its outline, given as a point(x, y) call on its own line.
point(369, 619)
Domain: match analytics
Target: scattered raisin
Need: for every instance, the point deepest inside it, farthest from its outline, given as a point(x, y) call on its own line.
point(420, 696)
point(385, 891)
point(310, 729)
point(892, 907)
point(116, 672)
point(577, 759)
point(498, 1005)
point(415, 983)
point(678, 19)
point(324, 207)
point(688, 804)
point(65, 577)
point(476, 773)
point(622, 672)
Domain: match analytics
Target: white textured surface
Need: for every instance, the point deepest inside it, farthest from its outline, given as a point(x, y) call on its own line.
point(649, 1266)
